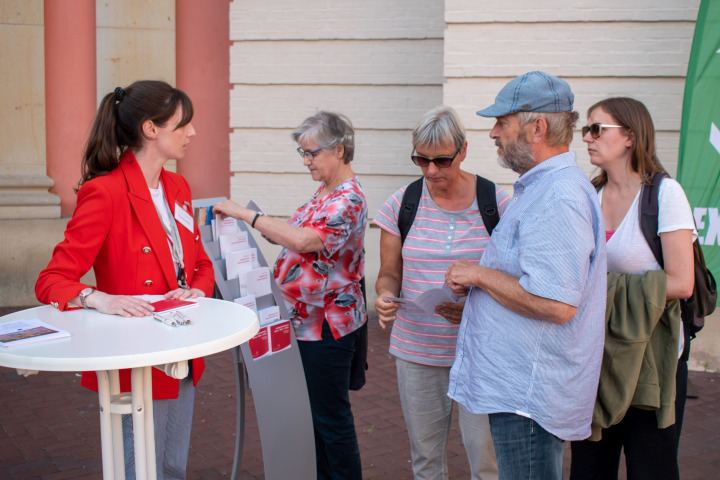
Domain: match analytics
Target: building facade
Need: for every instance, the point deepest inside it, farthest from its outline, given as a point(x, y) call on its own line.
point(255, 69)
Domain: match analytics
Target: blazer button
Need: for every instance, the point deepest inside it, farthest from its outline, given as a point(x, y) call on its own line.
point(146, 249)
point(148, 283)
point(197, 237)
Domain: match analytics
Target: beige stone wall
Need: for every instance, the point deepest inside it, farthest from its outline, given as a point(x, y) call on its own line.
point(135, 41)
point(617, 48)
point(378, 62)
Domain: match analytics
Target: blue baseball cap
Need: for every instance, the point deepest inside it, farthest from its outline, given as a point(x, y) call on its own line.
point(532, 92)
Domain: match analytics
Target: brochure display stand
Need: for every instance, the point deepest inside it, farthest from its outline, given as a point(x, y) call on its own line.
point(277, 381)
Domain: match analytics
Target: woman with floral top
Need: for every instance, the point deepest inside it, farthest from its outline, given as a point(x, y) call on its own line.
point(319, 273)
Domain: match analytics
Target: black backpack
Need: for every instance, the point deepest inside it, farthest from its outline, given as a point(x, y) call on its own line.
point(704, 298)
point(485, 195)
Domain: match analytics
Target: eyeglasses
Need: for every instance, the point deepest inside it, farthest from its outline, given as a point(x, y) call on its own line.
point(440, 162)
point(305, 153)
point(596, 129)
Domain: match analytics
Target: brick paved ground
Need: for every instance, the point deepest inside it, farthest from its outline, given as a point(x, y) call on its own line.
point(49, 426)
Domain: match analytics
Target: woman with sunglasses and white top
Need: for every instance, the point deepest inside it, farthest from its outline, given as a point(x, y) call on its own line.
point(319, 273)
point(620, 139)
point(447, 227)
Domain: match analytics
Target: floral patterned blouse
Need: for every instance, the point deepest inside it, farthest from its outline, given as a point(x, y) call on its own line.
point(325, 284)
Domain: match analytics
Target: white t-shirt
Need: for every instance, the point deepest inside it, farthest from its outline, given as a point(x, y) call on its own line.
point(627, 249)
point(166, 217)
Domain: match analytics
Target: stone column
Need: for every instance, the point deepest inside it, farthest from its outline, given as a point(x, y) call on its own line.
point(23, 180)
point(203, 72)
point(70, 91)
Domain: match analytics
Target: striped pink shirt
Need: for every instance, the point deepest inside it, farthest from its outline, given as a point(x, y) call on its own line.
point(437, 239)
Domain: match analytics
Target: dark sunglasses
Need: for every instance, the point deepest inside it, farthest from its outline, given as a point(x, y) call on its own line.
point(596, 129)
point(440, 162)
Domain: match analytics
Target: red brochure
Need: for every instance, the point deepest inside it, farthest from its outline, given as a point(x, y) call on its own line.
point(260, 344)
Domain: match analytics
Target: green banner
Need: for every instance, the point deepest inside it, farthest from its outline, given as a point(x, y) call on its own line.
point(699, 160)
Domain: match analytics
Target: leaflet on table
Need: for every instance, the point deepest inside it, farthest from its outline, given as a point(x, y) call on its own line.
point(270, 339)
point(255, 282)
point(425, 303)
point(233, 242)
point(240, 261)
point(167, 304)
point(248, 301)
point(22, 332)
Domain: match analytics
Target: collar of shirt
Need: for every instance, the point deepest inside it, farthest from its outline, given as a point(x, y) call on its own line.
point(543, 168)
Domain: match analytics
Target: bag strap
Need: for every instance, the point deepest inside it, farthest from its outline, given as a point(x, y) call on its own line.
point(648, 212)
point(408, 207)
point(484, 193)
point(487, 202)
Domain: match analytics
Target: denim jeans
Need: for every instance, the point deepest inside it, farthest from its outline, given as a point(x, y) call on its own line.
point(173, 422)
point(428, 415)
point(326, 363)
point(525, 450)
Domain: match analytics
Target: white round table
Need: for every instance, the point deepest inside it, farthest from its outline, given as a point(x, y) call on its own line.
point(108, 343)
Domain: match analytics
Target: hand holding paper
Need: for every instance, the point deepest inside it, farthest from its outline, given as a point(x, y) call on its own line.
point(427, 302)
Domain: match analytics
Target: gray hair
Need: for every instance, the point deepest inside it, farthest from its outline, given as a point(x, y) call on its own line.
point(560, 125)
point(329, 130)
point(439, 126)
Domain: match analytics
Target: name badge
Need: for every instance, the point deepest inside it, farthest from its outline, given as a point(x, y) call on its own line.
point(184, 218)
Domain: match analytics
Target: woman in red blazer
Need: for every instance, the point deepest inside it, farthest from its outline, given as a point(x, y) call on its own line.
point(134, 225)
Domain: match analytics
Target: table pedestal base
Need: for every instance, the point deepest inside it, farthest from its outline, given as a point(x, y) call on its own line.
point(139, 404)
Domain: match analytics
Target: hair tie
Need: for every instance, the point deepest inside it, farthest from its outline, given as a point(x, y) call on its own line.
point(119, 94)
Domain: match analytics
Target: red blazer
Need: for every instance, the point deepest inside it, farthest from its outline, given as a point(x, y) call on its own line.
point(116, 230)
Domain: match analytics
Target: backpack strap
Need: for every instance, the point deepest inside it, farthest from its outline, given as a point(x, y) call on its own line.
point(487, 202)
point(408, 207)
point(484, 193)
point(648, 212)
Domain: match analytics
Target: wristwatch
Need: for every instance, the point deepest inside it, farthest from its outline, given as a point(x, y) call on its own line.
point(84, 294)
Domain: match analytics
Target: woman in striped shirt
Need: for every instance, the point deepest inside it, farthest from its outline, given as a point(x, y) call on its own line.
point(447, 227)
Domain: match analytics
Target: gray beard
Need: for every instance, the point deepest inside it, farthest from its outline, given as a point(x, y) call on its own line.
point(518, 156)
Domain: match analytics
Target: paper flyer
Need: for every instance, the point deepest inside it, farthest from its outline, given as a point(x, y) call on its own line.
point(240, 261)
point(22, 332)
point(233, 242)
point(255, 282)
point(425, 303)
point(260, 344)
point(269, 315)
point(280, 336)
point(167, 304)
point(249, 302)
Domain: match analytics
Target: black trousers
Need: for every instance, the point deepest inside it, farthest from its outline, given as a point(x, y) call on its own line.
point(650, 452)
point(326, 364)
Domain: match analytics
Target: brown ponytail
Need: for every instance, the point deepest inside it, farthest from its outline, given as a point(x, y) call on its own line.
point(119, 120)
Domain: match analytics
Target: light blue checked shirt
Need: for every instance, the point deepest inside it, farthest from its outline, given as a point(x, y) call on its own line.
point(552, 238)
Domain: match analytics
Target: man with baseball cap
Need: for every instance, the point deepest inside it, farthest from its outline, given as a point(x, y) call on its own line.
point(530, 343)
